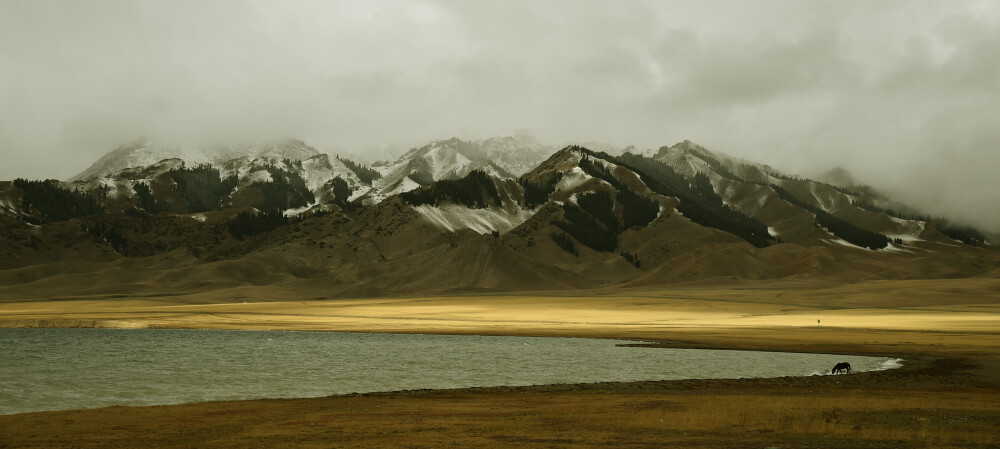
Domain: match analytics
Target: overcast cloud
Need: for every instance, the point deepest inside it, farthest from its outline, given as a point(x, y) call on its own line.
point(904, 94)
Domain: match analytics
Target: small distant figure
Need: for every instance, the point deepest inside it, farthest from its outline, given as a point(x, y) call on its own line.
point(817, 321)
point(841, 368)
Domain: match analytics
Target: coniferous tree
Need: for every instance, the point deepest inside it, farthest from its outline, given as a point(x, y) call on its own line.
point(637, 210)
point(586, 229)
point(420, 172)
point(366, 174)
point(53, 202)
point(341, 191)
point(146, 199)
point(599, 171)
point(632, 258)
point(285, 190)
point(247, 224)
point(717, 166)
point(536, 194)
point(840, 228)
point(964, 234)
point(476, 190)
point(202, 188)
point(890, 212)
point(600, 206)
point(699, 203)
point(421, 177)
point(565, 242)
point(111, 235)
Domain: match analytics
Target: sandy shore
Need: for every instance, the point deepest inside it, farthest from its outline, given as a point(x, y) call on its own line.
point(947, 395)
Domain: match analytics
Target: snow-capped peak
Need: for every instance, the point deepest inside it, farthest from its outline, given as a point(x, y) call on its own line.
point(146, 152)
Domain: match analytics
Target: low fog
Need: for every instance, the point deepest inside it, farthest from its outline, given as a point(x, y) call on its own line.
point(903, 94)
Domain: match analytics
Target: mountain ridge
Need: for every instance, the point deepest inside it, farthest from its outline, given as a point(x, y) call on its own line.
point(577, 218)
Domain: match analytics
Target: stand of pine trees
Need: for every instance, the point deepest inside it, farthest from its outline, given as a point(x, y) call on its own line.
point(111, 235)
point(586, 229)
point(632, 258)
point(717, 166)
point(420, 172)
point(840, 228)
point(477, 190)
point(964, 234)
point(365, 174)
point(600, 206)
point(890, 212)
point(699, 203)
point(637, 210)
point(341, 191)
point(286, 190)
point(52, 202)
point(843, 229)
point(565, 242)
point(247, 224)
point(202, 188)
point(538, 193)
point(146, 199)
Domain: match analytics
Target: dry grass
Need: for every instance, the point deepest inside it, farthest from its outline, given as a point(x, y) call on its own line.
point(972, 420)
point(619, 416)
point(957, 323)
point(966, 305)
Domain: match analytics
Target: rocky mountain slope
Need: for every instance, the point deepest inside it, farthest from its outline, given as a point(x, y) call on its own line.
point(504, 157)
point(499, 214)
point(146, 152)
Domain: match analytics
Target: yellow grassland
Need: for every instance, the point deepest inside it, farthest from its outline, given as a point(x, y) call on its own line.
point(947, 395)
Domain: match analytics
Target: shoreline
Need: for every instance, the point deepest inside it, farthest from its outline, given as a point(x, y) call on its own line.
point(643, 342)
point(834, 406)
point(899, 362)
point(946, 394)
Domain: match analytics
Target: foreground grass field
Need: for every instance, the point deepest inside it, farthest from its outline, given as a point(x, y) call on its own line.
point(711, 414)
point(947, 394)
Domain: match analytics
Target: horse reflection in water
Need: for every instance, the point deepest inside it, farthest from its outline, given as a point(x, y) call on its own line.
point(842, 367)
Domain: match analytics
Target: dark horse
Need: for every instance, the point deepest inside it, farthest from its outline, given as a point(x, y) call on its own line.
point(841, 367)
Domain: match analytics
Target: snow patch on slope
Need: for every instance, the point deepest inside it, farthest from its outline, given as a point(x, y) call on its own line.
point(297, 211)
point(149, 152)
point(572, 179)
point(446, 163)
point(382, 190)
point(609, 166)
point(7, 207)
point(257, 176)
point(910, 230)
point(893, 248)
point(821, 198)
point(355, 194)
point(453, 217)
point(405, 185)
point(839, 241)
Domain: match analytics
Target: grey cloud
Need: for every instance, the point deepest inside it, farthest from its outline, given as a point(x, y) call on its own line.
point(886, 89)
point(760, 71)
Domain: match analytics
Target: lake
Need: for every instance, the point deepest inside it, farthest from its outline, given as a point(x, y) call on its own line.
point(58, 369)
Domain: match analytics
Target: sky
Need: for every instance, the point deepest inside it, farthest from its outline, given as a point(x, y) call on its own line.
point(903, 94)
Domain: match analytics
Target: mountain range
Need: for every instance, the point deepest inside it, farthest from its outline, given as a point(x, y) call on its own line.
point(499, 214)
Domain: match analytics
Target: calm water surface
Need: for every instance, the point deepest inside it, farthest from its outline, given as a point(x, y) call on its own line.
point(58, 369)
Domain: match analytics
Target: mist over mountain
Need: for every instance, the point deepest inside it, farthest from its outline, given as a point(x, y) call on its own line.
point(454, 215)
point(900, 94)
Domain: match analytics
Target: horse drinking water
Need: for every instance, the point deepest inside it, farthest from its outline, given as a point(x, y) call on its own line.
point(841, 368)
